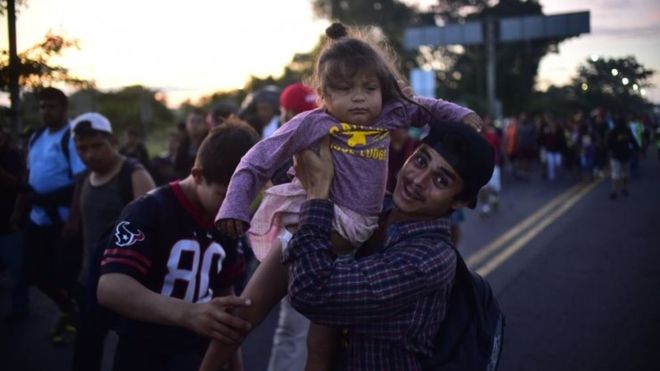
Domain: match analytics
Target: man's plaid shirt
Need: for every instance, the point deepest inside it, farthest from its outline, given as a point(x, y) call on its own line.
point(391, 302)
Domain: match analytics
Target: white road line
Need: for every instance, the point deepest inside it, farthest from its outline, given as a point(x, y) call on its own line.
point(521, 241)
point(480, 255)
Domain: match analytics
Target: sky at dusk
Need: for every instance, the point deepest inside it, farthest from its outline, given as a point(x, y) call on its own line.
point(194, 48)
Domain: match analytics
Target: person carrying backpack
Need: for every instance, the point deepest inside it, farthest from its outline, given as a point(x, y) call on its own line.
point(393, 298)
point(390, 299)
point(110, 183)
point(46, 210)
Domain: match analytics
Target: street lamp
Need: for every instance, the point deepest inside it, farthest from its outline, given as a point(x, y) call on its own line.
point(625, 81)
point(614, 72)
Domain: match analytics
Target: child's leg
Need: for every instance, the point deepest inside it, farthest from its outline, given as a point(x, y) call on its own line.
point(266, 287)
point(322, 343)
point(340, 245)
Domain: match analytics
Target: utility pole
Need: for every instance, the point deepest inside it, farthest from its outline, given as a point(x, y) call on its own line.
point(492, 31)
point(491, 39)
point(14, 94)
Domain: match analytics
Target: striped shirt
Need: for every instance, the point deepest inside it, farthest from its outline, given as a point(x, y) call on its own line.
point(391, 302)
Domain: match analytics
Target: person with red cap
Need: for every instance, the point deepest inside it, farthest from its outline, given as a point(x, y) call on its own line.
point(296, 98)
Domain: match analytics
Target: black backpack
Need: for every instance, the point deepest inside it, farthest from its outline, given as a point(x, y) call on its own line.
point(470, 336)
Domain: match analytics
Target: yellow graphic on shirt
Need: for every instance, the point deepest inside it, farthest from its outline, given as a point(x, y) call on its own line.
point(363, 141)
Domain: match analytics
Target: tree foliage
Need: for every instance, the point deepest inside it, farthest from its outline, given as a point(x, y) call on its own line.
point(391, 16)
point(36, 67)
point(462, 71)
point(18, 4)
point(616, 83)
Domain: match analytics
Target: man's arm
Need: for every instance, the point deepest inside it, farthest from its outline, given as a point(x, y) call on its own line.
point(142, 182)
point(343, 291)
point(71, 227)
point(126, 296)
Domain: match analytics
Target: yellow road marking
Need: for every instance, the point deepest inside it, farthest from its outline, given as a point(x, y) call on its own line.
point(521, 241)
point(484, 252)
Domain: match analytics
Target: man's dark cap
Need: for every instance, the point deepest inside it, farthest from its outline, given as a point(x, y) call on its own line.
point(468, 153)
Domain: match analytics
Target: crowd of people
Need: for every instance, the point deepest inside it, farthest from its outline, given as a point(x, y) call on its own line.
point(580, 146)
point(364, 185)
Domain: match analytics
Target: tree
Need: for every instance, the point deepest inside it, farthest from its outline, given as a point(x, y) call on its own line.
point(391, 16)
point(130, 106)
point(462, 70)
point(3, 5)
point(36, 69)
point(619, 84)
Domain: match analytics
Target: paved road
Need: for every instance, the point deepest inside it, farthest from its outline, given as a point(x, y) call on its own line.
point(579, 291)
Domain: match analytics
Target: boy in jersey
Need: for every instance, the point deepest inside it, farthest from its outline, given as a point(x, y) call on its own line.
point(169, 272)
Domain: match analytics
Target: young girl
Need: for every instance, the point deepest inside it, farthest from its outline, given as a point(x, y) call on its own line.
point(362, 101)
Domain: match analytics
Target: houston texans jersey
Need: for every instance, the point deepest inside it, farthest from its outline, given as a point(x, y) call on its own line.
point(163, 241)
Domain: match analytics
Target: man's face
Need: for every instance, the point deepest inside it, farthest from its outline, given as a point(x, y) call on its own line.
point(427, 185)
point(356, 101)
point(96, 152)
point(196, 125)
point(265, 112)
point(52, 112)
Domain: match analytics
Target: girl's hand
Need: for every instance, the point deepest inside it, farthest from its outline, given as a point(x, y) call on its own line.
point(315, 171)
point(232, 227)
point(474, 120)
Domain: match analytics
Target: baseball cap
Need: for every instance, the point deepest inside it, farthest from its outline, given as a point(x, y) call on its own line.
point(298, 98)
point(96, 120)
point(468, 153)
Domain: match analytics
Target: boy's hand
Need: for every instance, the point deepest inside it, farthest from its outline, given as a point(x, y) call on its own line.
point(214, 319)
point(232, 227)
point(474, 120)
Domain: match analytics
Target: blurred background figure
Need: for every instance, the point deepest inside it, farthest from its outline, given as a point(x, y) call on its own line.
point(552, 144)
point(261, 110)
point(489, 194)
point(622, 146)
point(12, 173)
point(49, 213)
point(196, 129)
point(526, 147)
point(637, 131)
point(163, 164)
point(220, 112)
point(134, 147)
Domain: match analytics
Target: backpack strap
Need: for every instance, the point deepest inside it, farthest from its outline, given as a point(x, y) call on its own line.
point(64, 143)
point(33, 138)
